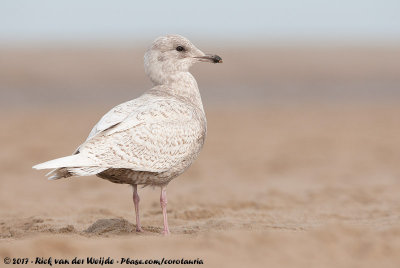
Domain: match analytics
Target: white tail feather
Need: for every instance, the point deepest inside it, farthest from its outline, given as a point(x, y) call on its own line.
point(75, 160)
point(60, 173)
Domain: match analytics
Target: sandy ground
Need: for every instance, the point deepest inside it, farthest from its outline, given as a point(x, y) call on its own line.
point(300, 167)
point(313, 185)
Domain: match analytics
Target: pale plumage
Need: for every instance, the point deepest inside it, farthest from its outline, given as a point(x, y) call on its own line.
point(152, 139)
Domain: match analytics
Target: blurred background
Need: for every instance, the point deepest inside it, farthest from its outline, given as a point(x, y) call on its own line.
point(74, 52)
point(303, 147)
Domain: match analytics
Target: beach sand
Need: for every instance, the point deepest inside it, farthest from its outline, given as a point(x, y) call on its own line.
point(305, 178)
point(313, 186)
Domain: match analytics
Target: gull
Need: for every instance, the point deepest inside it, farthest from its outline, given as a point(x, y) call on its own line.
point(152, 139)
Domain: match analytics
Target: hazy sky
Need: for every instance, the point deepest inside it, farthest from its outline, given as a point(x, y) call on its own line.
point(37, 20)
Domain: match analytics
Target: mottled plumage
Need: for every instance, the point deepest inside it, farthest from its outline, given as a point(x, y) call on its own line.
point(152, 139)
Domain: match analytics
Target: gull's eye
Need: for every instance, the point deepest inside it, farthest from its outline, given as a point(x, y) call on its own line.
point(180, 48)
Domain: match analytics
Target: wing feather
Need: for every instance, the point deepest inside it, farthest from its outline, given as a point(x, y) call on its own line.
point(115, 116)
point(159, 134)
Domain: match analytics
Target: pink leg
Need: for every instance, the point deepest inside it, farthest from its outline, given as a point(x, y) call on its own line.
point(136, 200)
point(163, 203)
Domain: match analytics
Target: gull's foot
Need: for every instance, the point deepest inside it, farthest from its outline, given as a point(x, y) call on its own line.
point(139, 229)
point(165, 232)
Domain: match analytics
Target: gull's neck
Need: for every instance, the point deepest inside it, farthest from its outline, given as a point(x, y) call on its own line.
point(183, 84)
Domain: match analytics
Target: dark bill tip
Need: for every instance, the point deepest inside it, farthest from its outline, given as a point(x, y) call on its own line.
point(211, 58)
point(216, 59)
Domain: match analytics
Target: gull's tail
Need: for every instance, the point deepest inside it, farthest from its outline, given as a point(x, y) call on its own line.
point(73, 165)
point(75, 160)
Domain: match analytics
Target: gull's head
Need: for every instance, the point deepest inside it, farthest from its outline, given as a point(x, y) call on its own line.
point(172, 54)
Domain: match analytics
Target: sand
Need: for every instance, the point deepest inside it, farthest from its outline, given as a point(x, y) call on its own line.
point(300, 166)
point(290, 186)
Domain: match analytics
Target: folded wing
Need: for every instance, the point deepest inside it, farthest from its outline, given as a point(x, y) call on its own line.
point(158, 135)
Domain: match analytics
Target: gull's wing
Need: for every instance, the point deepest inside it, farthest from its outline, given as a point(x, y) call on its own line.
point(159, 134)
point(115, 116)
point(112, 118)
